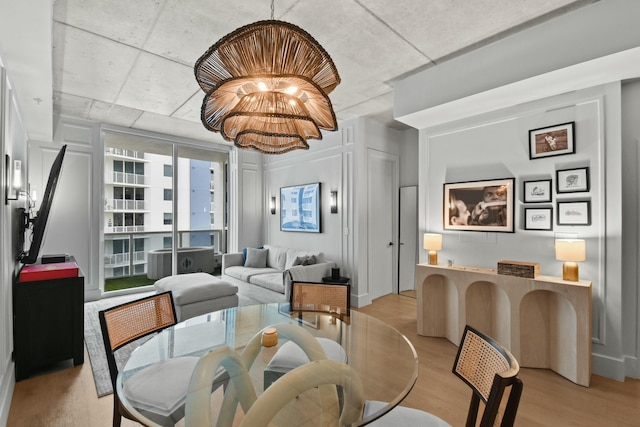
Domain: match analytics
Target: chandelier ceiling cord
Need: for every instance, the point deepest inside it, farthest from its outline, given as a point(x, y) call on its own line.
point(266, 87)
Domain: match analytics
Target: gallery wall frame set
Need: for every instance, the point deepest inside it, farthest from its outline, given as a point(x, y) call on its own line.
point(551, 141)
point(538, 218)
point(538, 191)
point(486, 205)
point(574, 180)
point(574, 212)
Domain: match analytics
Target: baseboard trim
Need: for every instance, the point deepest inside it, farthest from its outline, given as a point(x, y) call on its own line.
point(631, 367)
point(6, 392)
point(609, 367)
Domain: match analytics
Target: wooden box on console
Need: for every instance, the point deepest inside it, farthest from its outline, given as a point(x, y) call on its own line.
point(530, 270)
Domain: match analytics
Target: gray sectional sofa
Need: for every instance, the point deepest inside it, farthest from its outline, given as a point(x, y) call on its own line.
point(273, 268)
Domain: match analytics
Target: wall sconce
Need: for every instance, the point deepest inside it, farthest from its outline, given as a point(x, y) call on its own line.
point(272, 205)
point(432, 243)
point(13, 179)
point(570, 251)
point(334, 202)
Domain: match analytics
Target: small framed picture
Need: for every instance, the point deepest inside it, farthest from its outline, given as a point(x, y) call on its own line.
point(572, 180)
point(574, 213)
point(552, 141)
point(538, 218)
point(537, 191)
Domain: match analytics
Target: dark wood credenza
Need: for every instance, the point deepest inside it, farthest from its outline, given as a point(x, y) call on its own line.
point(48, 323)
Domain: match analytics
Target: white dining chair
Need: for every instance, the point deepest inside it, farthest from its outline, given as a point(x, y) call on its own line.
point(332, 298)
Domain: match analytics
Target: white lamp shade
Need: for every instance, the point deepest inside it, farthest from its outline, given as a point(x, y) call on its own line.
point(433, 242)
point(570, 250)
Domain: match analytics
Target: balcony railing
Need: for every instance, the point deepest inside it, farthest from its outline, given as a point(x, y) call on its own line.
point(121, 261)
point(124, 229)
point(126, 178)
point(125, 153)
point(124, 205)
point(124, 259)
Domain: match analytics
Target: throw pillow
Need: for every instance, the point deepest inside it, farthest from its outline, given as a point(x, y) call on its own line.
point(310, 260)
point(299, 260)
point(256, 258)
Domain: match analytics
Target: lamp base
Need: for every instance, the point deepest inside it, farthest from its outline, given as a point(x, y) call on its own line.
point(433, 258)
point(570, 271)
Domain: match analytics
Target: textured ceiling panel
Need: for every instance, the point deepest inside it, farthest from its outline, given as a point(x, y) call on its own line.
point(130, 63)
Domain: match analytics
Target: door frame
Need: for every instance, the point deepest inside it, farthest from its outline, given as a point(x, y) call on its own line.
point(371, 193)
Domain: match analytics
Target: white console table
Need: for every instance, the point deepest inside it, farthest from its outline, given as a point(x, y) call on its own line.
point(545, 322)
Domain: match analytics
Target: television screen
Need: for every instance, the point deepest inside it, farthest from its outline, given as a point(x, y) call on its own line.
point(300, 208)
point(39, 222)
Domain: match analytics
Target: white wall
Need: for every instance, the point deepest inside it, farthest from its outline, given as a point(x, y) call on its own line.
point(630, 197)
point(409, 158)
point(496, 146)
point(571, 66)
point(338, 162)
point(329, 162)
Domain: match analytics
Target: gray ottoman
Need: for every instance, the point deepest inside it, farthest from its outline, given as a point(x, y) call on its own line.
point(198, 293)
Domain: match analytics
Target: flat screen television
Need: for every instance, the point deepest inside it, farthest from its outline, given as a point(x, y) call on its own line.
point(38, 223)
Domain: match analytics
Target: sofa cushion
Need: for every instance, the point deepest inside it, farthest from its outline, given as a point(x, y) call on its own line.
point(256, 258)
point(273, 281)
point(245, 273)
point(277, 257)
point(194, 287)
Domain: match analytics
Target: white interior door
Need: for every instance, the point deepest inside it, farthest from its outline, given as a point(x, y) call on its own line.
point(382, 216)
point(408, 246)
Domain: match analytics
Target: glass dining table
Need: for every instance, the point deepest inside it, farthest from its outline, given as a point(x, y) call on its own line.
point(384, 360)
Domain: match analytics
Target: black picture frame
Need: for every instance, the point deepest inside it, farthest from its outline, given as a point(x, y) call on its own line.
point(486, 205)
point(553, 140)
point(538, 191)
point(574, 180)
point(577, 212)
point(538, 218)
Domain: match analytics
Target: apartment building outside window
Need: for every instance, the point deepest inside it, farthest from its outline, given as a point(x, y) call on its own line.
point(139, 200)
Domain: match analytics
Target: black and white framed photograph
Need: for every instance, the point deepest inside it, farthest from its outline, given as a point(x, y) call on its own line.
point(574, 213)
point(538, 218)
point(537, 191)
point(480, 205)
point(572, 180)
point(552, 141)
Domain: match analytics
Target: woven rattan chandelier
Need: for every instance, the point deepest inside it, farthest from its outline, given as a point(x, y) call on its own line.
point(267, 87)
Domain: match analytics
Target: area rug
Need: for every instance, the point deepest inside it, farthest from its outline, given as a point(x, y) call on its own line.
point(94, 344)
point(247, 295)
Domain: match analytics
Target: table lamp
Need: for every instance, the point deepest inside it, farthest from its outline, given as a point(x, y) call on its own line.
point(433, 243)
point(570, 251)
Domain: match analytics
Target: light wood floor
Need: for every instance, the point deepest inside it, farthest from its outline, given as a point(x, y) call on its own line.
point(68, 397)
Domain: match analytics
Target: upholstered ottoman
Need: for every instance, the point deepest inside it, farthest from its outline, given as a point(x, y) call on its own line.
point(198, 293)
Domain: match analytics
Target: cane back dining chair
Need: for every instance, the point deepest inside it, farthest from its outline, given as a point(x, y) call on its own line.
point(160, 398)
point(488, 369)
point(332, 298)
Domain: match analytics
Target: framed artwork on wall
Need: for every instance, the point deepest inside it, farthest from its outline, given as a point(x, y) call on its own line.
point(574, 213)
point(538, 218)
point(537, 191)
point(300, 208)
point(480, 205)
point(572, 180)
point(552, 141)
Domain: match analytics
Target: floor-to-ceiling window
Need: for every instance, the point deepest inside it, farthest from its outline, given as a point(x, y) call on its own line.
point(156, 197)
